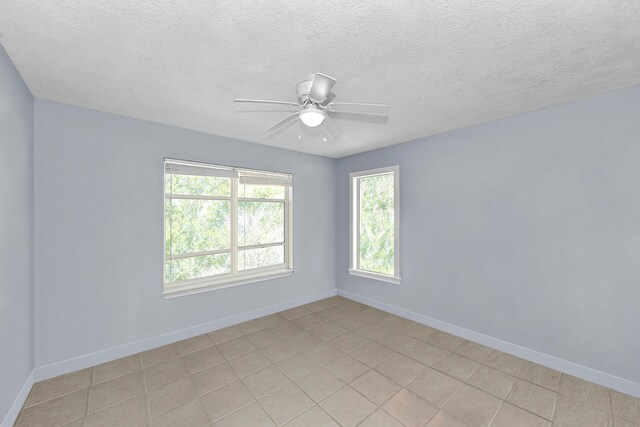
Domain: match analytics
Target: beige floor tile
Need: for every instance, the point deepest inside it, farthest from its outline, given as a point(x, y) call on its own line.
point(372, 314)
point(294, 313)
point(456, 366)
point(417, 330)
point(279, 350)
point(249, 363)
point(328, 331)
point(371, 354)
point(472, 407)
point(509, 416)
point(434, 386)
point(380, 419)
point(250, 416)
point(263, 337)
point(541, 375)
point(214, 377)
point(193, 344)
point(226, 400)
point(348, 341)
point(304, 340)
point(493, 382)
point(324, 353)
point(473, 351)
point(286, 403)
point(172, 395)
point(287, 329)
point(76, 423)
point(164, 372)
point(250, 326)
point(625, 406)
point(410, 409)
point(372, 331)
point(59, 386)
point(116, 368)
point(310, 321)
point(132, 412)
point(236, 347)
point(444, 340)
point(425, 353)
point(442, 419)
point(583, 391)
point(533, 398)
point(114, 391)
point(347, 406)
point(351, 322)
point(504, 362)
point(190, 414)
point(333, 313)
point(297, 366)
point(319, 384)
point(392, 321)
point(619, 422)
point(347, 368)
point(271, 319)
point(160, 354)
point(56, 412)
point(375, 387)
point(396, 341)
point(224, 334)
point(571, 412)
point(265, 381)
point(401, 369)
point(202, 359)
point(314, 417)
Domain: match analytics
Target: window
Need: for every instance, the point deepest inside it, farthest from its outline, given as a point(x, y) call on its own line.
point(224, 226)
point(375, 224)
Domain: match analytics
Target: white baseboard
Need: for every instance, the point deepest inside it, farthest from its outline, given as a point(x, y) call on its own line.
point(14, 411)
point(586, 373)
point(107, 355)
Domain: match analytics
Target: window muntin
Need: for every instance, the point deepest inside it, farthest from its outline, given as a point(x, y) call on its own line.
point(224, 225)
point(375, 224)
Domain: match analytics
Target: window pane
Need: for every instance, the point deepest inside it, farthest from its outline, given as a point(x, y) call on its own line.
point(197, 185)
point(262, 257)
point(181, 269)
point(261, 191)
point(196, 225)
point(260, 223)
point(376, 251)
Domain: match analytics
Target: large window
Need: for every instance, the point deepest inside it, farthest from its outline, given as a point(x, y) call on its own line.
point(224, 226)
point(375, 224)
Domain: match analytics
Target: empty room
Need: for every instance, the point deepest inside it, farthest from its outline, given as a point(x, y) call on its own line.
point(319, 213)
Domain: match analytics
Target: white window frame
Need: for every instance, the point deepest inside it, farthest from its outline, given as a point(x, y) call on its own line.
point(354, 214)
point(235, 277)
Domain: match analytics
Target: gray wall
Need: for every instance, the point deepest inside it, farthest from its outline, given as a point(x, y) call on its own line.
point(525, 229)
point(99, 239)
point(16, 233)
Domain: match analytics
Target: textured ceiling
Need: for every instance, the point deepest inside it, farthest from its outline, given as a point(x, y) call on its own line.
point(440, 64)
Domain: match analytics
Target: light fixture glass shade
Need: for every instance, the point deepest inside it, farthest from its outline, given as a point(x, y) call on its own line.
point(312, 117)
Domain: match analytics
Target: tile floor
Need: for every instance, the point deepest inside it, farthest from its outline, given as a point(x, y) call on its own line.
point(334, 362)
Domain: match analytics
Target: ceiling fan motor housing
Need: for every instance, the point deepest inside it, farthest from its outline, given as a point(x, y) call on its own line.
point(303, 88)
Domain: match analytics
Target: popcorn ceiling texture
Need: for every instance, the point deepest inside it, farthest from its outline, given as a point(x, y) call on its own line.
point(440, 64)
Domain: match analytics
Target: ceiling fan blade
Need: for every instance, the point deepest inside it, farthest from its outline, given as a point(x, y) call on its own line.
point(357, 108)
point(282, 122)
point(262, 101)
point(330, 127)
point(321, 87)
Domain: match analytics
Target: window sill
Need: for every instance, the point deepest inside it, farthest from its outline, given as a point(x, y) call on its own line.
point(178, 290)
point(375, 276)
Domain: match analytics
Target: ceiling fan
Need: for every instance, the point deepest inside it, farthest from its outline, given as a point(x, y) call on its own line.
point(314, 108)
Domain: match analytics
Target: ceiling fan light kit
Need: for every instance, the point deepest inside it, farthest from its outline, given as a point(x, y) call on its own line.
point(314, 111)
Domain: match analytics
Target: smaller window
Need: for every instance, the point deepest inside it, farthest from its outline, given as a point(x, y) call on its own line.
point(375, 224)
